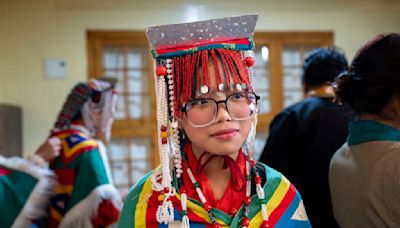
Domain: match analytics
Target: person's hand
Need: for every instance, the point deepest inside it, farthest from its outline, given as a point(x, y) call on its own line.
point(50, 149)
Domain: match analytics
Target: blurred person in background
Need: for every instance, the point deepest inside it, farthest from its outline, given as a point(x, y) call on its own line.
point(365, 172)
point(303, 137)
point(84, 195)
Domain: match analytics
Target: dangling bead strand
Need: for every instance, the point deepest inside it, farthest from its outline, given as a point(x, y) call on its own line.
point(174, 124)
point(261, 195)
point(176, 142)
point(203, 200)
point(247, 201)
point(162, 116)
point(165, 211)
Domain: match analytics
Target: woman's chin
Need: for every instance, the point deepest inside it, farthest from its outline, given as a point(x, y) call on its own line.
point(224, 149)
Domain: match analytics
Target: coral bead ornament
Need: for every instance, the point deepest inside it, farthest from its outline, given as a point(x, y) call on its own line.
point(245, 222)
point(249, 61)
point(264, 224)
point(161, 71)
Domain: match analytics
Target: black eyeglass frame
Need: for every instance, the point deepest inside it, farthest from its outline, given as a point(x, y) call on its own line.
point(183, 109)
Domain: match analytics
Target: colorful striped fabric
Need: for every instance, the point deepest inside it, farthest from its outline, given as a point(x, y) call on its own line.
point(284, 207)
point(79, 169)
point(73, 143)
point(237, 44)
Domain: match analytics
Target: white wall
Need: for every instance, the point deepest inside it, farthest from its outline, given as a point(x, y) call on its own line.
point(35, 30)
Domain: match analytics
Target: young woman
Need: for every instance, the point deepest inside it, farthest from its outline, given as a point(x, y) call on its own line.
point(364, 173)
point(206, 114)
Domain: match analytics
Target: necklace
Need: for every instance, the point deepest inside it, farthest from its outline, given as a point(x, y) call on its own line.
point(250, 168)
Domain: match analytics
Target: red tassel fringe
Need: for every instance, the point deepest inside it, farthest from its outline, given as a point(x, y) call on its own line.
point(187, 67)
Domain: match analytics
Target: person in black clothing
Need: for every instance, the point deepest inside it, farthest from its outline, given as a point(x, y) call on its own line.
point(303, 137)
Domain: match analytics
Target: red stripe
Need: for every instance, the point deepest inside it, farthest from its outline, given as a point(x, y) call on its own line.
point(168, 48)
point(4, 171)
point(52, 223)
point(65, 176)
point(151, 220)
point(67, 131)
point(152, 209)
point(177, 203)
point(285, 203)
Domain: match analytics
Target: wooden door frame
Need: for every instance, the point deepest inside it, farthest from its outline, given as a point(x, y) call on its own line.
point(96, 40)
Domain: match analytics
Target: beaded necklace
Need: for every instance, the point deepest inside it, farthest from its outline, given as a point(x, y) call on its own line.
point(250, 168)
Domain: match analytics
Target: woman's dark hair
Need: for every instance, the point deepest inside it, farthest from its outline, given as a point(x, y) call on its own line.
point(374, 75)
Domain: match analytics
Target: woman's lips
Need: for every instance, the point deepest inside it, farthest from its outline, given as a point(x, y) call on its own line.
point(225, 134)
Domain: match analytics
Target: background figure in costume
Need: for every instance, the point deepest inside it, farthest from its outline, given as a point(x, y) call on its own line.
point(303, 137)
point(364, 172)
point(85, 196)
point(25, 189)
point(206, 109)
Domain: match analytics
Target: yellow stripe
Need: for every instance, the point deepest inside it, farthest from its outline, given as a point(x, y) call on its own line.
point(199, 210)
point(273, 203)
point(63, 135)
point(64, 189)
point(55, 215)
point(71, 151)
point(141, 206)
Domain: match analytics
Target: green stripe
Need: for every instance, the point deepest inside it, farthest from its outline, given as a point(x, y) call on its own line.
point(127, 216)
point(90, 173)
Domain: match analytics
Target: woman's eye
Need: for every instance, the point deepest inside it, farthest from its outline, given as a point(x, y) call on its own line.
point(198, 103)
point(201, 102)
point(238, 96)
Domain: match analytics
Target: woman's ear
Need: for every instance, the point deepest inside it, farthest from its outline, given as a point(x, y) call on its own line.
point(391, 109)
point(180, 122)
point(396, 106)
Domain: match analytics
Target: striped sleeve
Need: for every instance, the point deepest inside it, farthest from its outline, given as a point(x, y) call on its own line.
point(127, 216)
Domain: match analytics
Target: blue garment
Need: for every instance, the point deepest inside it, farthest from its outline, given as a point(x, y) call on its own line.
point(361, 131)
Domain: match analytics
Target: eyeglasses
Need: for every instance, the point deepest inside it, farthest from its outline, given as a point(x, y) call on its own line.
point(202, 112)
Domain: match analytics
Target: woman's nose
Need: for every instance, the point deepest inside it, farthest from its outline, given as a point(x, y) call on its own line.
point(222, 113)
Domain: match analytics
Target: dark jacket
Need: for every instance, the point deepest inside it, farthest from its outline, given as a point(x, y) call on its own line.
point(302, 140)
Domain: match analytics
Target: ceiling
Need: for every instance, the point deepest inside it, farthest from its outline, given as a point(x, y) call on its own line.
point(232, 4)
